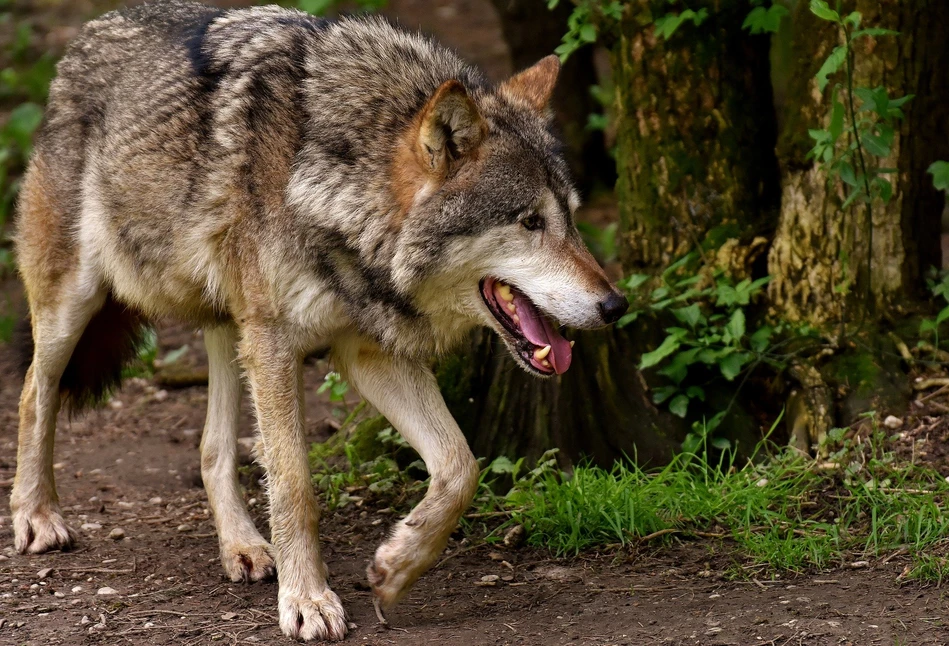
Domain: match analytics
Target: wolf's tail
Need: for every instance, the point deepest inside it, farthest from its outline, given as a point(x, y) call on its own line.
point(109, 343)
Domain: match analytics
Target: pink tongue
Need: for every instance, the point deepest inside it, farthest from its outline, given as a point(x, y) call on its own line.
point(540, 332)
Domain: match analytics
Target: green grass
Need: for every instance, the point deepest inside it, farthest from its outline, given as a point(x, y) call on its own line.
point(779, 512)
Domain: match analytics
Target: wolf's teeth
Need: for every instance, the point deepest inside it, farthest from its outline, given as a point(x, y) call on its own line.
point(516, 319)
point(545, 363)
point(512, 307)
point(504, 291)
point(571, 343)
point(542, 353)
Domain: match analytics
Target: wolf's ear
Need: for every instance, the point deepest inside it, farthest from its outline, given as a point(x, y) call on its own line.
point(451, 128)
point(535, 85)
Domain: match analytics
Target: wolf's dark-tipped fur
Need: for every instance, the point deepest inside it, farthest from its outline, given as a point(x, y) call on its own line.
point(289, 183)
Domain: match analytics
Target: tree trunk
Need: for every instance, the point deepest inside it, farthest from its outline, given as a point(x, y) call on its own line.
point(819, 260)
point(696, 135)
point(532, 32)
point(696, 141)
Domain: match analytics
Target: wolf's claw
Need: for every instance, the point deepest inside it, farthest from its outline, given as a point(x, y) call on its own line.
point(377, 604)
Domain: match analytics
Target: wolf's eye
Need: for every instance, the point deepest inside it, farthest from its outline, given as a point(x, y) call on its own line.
point(533, 222)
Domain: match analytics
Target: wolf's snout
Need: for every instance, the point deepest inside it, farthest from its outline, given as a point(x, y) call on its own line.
point(613, 307)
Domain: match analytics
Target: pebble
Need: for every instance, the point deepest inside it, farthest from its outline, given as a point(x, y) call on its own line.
point(155, 501)
point(227, 616)
point(45, 572)
point(91, 526)
point(85, 620)
point(160, 396)
point(185, 528)
point(76, 589)
point(106, 591)
point(58, 594)
point(117, 534)
point(892, 422)
point(488, 580)
point(514, 536)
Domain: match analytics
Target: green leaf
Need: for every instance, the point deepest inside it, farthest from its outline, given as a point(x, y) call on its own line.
point(626, 319)
point(20, 126)
point(873, 31)
point(853, 18)
point(820, 9)
point(836, 119)
point(831, 65)
point(846, 172)
point(588, 33)
point(690, 315)
point(667, 25)
point(679, 406)
point(316, 7)
point(885, 188)
point(668, 346)
point(943, 315)
point(501, 465)
point(855, 195)
point(940, 172)
point(736, 326)
point(721, 443)
point(695, 392)
point(634, 281)
point(761, 339)
point(875, 144)
point(731, 366)
point(663, 393)
point(762, 20)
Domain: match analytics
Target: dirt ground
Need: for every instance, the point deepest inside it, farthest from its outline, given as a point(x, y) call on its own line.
point(133, 465)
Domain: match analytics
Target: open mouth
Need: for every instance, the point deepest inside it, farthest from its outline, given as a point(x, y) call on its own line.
point(536, 340)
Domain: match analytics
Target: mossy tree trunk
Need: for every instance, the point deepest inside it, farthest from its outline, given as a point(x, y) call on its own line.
point(696, 141)
point(696, 134)
point(820, 247)
point(531, 32)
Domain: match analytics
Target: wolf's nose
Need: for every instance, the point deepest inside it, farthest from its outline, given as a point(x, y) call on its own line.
point(613, 307)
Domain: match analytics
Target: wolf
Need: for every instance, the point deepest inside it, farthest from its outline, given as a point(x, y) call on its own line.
point(289, 183)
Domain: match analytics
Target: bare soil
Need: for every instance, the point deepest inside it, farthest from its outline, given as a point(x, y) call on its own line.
point(134, 465)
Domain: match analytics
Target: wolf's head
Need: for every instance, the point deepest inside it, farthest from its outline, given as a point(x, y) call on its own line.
point(487, 219)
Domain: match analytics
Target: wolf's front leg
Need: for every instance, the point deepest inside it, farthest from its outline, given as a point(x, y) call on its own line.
point(406, 392)
point(308, 608)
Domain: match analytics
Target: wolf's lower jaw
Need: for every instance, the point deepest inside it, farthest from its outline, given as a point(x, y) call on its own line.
point(537, 342)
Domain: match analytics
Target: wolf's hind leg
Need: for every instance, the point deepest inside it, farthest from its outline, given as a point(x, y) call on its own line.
point(406, 393)
point(58, 324)
point(245, 555)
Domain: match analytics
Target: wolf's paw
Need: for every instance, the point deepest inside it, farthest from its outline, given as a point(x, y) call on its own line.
point(394, 571)
point(248, 562)
point(318, 616)
point(40, 531)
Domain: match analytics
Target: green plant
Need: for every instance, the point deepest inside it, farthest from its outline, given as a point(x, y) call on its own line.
point(938, 283)
point(323, 7)
point(710, 330)
point(940, 172)
point(857, 131)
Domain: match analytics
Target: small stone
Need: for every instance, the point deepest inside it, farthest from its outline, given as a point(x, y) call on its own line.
point(85, 620)
point(45, 572)
point(514, 536)
point(227, 616)
point(91, 526)
point(762, 483)
point(184, 527)
point(892, 422)
point(76, 589)
point(495, 556)
point(489, 578)
point(58, 594)
point(155, 501)
point(148, 624)
point(117, 534)
point(160, 396)
point(507, 578)
point(857, 565)
point(106, 591)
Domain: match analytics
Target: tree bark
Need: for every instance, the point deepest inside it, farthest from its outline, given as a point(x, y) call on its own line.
point(532, 32)
point(819, 259)
point(696, 150)
point(696, 134)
